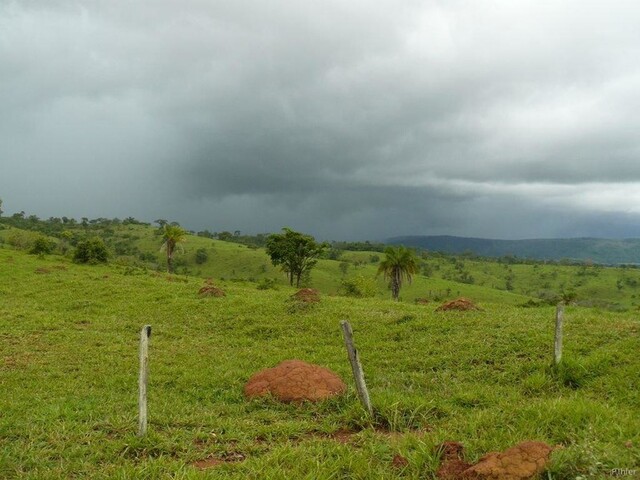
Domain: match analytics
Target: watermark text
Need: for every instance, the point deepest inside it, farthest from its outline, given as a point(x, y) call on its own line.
point(623, 472)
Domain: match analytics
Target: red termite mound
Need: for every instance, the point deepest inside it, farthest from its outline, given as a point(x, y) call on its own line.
point(307, 295)
point(461, 303)
point(295, 381)
point(523, 461)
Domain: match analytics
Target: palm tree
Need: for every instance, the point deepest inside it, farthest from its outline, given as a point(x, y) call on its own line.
point(400, 264)
point(172, 236)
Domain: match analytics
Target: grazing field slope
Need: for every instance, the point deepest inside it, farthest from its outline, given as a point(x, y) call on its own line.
point(69, 363)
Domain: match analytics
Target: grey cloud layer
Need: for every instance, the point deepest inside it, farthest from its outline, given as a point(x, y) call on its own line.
point(350, 120)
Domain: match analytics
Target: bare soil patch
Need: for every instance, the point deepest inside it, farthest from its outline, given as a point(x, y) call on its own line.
point(211, 291)
point(453, 464)
point(217, 460)
point(460, 304)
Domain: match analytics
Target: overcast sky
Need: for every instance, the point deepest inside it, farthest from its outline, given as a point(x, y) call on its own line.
point(347, 120)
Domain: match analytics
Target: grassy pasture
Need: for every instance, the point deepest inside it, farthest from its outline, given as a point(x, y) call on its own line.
point(68, 377)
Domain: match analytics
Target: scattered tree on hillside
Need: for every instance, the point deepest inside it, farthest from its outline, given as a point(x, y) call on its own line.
point(172, 236)
point(400, 264)
point(296, 253)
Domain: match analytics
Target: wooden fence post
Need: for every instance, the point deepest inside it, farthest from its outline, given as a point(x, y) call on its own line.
point(356, 367)
point(557, 346)
point(143, 379)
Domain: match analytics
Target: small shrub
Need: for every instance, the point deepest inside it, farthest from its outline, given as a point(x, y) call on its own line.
point(344, 266)
point(42, 246)
point(267, 284)
point(359, 287)
point(21, 240)
point(147, 257)
point(91, 251)
point(201, 256)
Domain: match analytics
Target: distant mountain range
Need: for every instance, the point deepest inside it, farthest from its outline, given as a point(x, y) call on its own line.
point(598, 250)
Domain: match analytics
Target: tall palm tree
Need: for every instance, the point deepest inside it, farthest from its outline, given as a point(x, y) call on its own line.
point(172, 236)
point(400, 264)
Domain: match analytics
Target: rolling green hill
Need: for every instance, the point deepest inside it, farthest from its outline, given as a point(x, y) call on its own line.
point(441, 277)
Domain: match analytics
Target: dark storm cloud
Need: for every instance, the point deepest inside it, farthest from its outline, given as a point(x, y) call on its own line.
point(349, 120)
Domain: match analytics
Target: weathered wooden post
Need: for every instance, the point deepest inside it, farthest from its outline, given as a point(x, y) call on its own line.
point(557, 347)
point(145, 333)
point(356, 367)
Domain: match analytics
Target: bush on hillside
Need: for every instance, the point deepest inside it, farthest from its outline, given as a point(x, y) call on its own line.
point(201, 256)
point(91, 251)
point(267, 284)
point(21, 240)
point(42, 246)
point(359, 287)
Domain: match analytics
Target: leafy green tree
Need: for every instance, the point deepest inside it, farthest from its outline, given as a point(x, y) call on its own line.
point(400, 264)
point(173, 235)
point(91, 251)
point(296, 253)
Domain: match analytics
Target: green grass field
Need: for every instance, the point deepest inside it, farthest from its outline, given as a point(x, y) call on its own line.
point(69, 363)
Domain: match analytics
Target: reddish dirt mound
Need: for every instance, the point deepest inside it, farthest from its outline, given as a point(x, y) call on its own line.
point(295, 381)
point(452, 465)
point(523, 461)
point(461, 303)
point(520, 462)
point(211, 291)
point(307, 295)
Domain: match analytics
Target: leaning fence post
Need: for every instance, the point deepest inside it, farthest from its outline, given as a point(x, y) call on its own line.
point(557, 346)
point(145, 333)
point(356, 367)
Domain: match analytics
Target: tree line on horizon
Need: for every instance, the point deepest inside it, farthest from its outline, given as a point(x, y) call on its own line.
point(294, 252)
point(94, 241)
